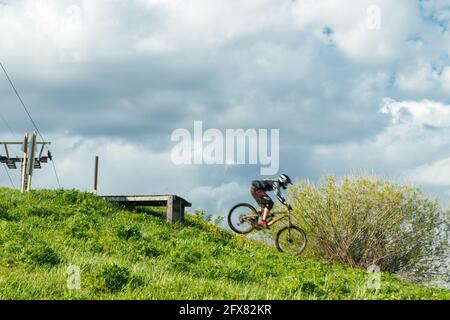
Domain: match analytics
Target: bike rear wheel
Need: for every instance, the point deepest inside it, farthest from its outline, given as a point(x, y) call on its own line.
point(242, 218)
point(291, 240)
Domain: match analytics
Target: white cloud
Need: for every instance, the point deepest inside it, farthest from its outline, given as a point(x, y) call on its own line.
point(418, 79)
point(417, 113)
point(368, 86)
point(423, 79)
point(436, 173)
point(155, 44)
point(42, 31)
point(352, 30)
point(445, 77)
point(199, 24)
point(414, 146)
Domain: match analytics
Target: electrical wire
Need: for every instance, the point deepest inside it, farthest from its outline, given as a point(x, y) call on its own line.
point(8, 127)
point(31, 119)
point(9, 176)
point(14, 136)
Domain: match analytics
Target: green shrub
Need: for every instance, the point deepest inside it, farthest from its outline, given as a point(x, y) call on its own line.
point(12, 243)
point(111, 278)
point(129, 231)
point(310, 288)
point(32, 209)
point(184, 258)
point(78, 226)
point(148, 250)
point(4, 214)
point(360, 221)
point(40, 254)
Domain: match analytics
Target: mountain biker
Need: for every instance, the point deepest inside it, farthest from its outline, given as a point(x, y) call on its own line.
point(258, 190)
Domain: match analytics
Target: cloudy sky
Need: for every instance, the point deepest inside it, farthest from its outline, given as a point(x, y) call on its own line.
point(352, 85)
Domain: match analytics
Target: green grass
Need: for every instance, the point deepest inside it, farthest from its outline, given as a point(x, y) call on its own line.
point(134, 254)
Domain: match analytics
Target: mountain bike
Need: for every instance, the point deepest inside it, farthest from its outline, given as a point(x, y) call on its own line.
point(243, 219)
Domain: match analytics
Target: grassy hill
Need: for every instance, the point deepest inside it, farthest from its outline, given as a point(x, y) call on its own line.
point(134, 254)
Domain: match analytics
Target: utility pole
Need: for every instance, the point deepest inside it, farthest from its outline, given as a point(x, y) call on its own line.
point(28, 161)
point(23, 182)
point(95, 175)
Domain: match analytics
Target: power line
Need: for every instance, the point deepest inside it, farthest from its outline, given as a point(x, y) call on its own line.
point(31, 119)
point(21, 101)
point(9, 176)
point(14, 136)
point(56, 173)
point(8, 126)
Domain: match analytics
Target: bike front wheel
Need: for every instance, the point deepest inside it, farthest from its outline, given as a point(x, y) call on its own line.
point(242, 218)
point(291, 240)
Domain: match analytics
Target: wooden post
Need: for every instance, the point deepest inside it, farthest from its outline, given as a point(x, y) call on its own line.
point(31, 156)
point(96, 175)
point(175, 209)
point(169, 214)
point(6, 150)
point(23, 181)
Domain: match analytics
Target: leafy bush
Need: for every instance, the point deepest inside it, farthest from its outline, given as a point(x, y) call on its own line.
point(183, 259)
point(78, 226)
point(4, 214)
point(148, 250)
point(203, 216)
point(127, 232)
point(13, 241)
point(360, 221)
point(41, 254)
point(111, 278)
point(35, 209)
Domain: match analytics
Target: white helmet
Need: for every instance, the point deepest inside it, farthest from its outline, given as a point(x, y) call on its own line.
point(284, 180)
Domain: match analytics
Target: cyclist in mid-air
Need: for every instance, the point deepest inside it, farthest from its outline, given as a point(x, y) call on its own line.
point(258, 190)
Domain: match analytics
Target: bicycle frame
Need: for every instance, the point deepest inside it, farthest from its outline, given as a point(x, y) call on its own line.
point(282, 215)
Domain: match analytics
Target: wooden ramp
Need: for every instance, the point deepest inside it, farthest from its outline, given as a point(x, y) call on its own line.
point(175, 204)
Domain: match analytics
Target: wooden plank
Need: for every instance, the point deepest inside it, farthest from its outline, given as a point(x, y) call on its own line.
point(138, 198)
